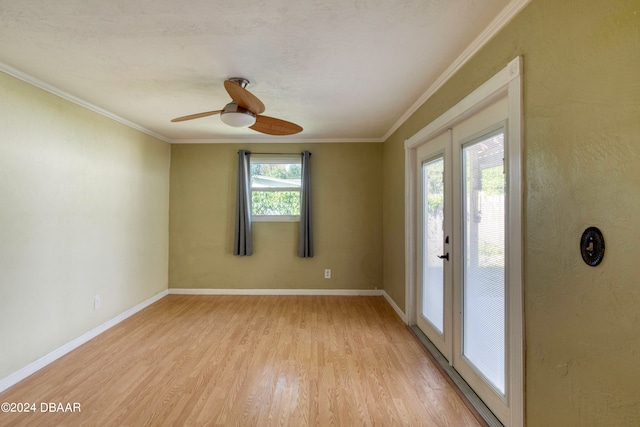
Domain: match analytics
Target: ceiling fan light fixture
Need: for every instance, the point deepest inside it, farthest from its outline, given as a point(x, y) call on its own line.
point(246, 110)
point(236, 116)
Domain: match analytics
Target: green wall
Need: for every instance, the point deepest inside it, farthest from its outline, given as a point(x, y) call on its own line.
point(346, 180)
point(84, 211)
point(581, 168)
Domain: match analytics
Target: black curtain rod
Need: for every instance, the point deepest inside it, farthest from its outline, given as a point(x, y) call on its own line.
point(271, 154)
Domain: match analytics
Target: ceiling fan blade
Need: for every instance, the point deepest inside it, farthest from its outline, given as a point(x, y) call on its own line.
point(273, 126)
point(243, 97)
point(196, 116)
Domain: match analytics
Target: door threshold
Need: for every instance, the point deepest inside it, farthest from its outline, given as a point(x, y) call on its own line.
point(472, 398)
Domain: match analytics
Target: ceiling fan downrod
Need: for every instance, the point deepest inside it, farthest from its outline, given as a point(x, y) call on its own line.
point(242, 82)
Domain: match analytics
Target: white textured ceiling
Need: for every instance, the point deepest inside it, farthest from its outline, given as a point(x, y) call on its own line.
point(342, 69)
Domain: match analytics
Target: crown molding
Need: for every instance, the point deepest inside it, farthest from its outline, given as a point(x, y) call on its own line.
point(279, 141)
point(498, 23)
point(7, 69)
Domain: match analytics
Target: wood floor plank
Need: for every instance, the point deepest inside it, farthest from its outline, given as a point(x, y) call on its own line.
point(249, 361)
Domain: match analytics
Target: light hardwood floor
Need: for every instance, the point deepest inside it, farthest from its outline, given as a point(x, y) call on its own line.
point(248, 361)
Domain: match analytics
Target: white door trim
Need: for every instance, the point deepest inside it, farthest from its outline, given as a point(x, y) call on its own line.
point(507, 81)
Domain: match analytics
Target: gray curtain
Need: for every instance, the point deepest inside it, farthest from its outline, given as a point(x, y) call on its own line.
point(305, 242)
point(242, 244)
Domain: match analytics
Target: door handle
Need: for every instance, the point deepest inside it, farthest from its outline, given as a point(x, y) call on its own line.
point(445, 256)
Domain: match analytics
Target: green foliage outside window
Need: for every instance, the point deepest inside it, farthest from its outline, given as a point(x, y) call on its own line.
point(435, 186)
point(283, 171)
point(266, 198)
point(493, 181)
point(275, 202)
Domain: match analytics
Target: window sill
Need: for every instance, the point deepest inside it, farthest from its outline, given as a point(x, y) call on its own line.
point(275, 218)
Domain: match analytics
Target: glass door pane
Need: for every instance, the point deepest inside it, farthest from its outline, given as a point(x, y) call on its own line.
point(433, 243)
point(484, 258)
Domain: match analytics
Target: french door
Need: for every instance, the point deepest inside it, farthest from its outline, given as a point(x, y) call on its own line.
point(434, 294)
point(462, 251)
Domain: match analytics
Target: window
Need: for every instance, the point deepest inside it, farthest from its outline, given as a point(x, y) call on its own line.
point(275, 188)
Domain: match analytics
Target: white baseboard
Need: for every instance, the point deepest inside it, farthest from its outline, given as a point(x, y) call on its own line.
point(393, 305)
point(31, 368)
point(345, 292)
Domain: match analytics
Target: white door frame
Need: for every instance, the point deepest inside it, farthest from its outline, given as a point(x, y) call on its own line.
point(507, 82)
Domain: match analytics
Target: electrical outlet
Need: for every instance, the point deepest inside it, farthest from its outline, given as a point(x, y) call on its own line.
point(327, 273)
point(96, 302)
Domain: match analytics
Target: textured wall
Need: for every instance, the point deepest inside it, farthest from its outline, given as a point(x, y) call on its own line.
point(582, 147)
point(346, 181)
point(84, 206)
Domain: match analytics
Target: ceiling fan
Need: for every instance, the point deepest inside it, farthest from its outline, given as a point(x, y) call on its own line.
point(246, 110)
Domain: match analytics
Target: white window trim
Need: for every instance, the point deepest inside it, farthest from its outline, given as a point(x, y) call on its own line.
point(275, 160)
point(267, 189)
point(275, 218)
point(507, 81)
